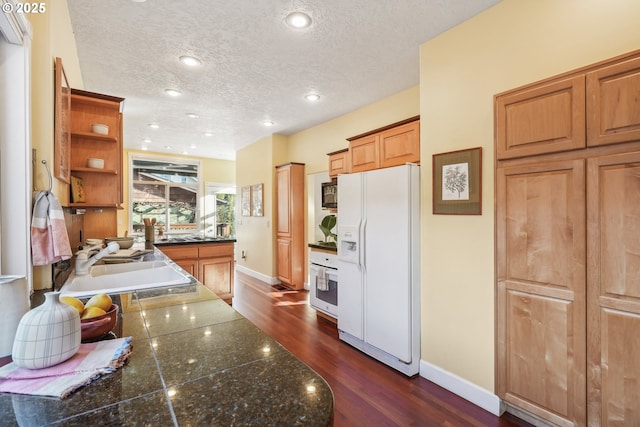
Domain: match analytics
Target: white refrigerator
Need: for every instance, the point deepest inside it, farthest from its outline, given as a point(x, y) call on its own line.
point(379, 264)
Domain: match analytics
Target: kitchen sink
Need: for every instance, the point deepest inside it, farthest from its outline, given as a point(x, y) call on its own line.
point(109, 278)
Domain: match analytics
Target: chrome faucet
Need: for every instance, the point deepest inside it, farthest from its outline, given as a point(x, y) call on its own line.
point(83, 261)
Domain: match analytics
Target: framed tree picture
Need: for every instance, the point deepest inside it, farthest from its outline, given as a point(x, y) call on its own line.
point(256, 200)
point(245, 201)
point(457, 182)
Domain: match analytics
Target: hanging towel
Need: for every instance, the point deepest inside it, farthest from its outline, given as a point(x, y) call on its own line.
point(88, 364)
point(49, 239)
point(321, 280)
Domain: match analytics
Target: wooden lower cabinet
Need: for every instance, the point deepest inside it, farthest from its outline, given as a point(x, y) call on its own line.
point(613, 283)
point(541, 286)
point(212, 264)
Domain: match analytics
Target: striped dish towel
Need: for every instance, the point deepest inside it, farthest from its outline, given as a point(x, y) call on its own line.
point(88, 364)
point(49, 239)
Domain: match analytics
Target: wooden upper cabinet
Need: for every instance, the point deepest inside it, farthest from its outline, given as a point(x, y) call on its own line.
point(102, 187)
point(365, 153)
point(391, 145)
point(338, 162)
point(613, 104)
point(545, 118)
point(400, 145)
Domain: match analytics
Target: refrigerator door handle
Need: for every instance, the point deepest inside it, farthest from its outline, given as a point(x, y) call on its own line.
point(361, 254)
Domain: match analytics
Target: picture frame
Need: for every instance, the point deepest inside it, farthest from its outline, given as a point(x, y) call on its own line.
point(77, 190)
point(245, 200)
point(62, 124)
point(256, 200)
point(457, 182)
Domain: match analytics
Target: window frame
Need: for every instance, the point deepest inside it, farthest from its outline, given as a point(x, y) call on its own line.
point(163, 159)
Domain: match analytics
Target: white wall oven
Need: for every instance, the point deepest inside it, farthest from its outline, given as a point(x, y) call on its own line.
point(323, 278)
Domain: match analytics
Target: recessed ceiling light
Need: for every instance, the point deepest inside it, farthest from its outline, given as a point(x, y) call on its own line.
point(154, 125)
point(298, 20)
point(144, 148)
point(172, 92)
point(138, 1)
point(312, 97)
point(192, 115)
point(208, 134)
point(146, 141)
point(268, 123)
point(168, 147)
point(185, 152)
point(191, 61)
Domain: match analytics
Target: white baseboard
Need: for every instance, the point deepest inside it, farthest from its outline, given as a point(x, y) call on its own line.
point(268, 279)
point(463, 388)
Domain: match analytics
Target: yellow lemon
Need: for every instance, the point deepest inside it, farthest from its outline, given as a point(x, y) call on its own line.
point(73, 302)
point(102, 301)
point(91, 312)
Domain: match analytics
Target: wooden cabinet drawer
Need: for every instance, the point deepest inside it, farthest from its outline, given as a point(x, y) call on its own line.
point(217, 250)
point(180, 252)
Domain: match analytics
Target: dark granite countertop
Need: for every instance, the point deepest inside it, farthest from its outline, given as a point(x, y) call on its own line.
point(195, 362)
point(323, 247)
point(191, 240)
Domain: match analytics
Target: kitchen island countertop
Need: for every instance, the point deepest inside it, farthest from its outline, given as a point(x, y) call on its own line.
point(195, 361)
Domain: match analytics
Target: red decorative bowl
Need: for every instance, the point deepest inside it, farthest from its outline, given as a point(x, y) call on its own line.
point(99, 326)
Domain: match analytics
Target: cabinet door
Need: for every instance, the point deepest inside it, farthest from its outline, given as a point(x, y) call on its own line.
point(540, 258)
point(217, 275)
point(283, 252)
point(613, 106)
point(190, 266)
point(365, 153)
point(283, 200)
point(400, 145)
point(544, 119)
point(613, 214)
point(338, 163)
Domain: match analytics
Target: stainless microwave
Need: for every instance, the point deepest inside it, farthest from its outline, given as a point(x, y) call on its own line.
point(330, 195)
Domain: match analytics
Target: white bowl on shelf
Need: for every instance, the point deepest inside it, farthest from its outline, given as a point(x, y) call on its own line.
point(95, 163)
point(100, 128)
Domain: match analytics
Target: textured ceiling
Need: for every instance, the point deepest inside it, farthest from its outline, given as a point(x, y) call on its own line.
point(254, 68)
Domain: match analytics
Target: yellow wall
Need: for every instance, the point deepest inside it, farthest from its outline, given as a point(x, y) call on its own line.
point(511, 44)
point(213, 170)
point(255, 235)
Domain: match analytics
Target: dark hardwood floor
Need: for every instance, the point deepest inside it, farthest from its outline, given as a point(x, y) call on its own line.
point(366, 392)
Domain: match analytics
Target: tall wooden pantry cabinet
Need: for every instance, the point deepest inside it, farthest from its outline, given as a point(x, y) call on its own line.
point(568, 246)
point(290, 249)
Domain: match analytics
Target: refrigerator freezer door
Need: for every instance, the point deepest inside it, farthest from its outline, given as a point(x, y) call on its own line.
point(350, 308)
point(387, 254)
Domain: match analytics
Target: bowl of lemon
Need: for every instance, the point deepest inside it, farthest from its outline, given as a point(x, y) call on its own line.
point(98, 315)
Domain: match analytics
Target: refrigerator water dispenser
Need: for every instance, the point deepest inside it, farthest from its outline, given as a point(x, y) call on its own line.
point(348, 244)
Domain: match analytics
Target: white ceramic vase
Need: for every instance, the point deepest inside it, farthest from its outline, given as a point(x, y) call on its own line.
point(47, 335)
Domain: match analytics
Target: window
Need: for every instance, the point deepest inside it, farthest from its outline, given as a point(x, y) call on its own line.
point(219, 210)
point(167, 191)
